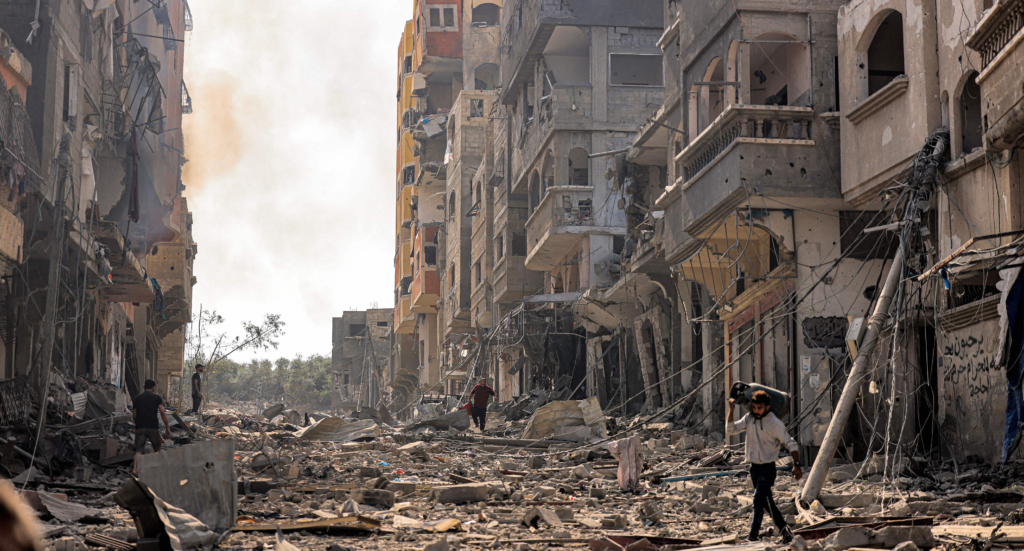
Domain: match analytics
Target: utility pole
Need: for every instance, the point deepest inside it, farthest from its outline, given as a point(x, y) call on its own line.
point(53, 280)
point(816, 478)
point(920, 181)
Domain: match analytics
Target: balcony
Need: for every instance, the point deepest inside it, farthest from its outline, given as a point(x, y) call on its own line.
point(749, 149)
point(527, 26)
point(564, 215)
point(128, 279)
point(998, 39)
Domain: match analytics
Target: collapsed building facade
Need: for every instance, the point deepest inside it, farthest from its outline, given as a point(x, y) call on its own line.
point(649, 203)
point(97, 236)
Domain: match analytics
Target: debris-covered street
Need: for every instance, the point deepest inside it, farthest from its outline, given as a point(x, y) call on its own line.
point(366, 484)
point(616, 275)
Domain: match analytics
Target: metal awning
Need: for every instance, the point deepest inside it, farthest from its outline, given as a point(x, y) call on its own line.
point(974, 256)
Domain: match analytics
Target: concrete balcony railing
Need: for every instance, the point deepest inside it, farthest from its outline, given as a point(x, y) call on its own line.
point(555, 227)
point(767, 148)
point(999, 39)
point(785, 124)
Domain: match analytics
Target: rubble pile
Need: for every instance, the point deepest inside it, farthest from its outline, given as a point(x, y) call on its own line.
point(239, 481)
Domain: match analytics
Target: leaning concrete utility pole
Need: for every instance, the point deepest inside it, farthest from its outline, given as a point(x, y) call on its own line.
point(816, 479)
point(921, 179)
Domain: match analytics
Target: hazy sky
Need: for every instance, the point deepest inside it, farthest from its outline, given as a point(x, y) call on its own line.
point(291, 148)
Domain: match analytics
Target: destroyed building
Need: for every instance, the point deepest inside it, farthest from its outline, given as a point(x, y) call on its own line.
point(647, 205)
point(360, 367)
point(97, 236)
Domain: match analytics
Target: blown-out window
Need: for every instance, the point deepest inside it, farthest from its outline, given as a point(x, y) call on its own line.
point(636, 70)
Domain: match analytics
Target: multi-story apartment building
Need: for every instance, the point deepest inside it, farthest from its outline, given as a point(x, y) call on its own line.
point(649, 203)
point(101, 288)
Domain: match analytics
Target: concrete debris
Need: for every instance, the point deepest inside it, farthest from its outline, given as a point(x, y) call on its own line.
point(427, 488)
point(573, 420)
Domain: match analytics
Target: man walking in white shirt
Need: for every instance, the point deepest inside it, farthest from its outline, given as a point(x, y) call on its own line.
point(765, 435)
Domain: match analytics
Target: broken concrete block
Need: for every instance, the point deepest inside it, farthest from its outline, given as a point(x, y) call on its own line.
point(402, 488)
point(546, 491)
point(651, 512)
point(536, 462)
point(614, 522)
point(564, 513)
point(462, 493)
point(289, 510)
point(369, 472)
point(382, 499)
point(439, 545)
point(597, 493)
point(846, 538)
point(537, 515)
point(891, 536)
point(275, 495)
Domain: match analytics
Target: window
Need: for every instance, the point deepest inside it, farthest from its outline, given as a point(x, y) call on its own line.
point(636, 70)
point(970, 115)
point(442, 18)
point(476, 274)
point(430, 255)
point(579, 161)
point(408, 175)
point(486, 15)
point(451, 204)
point(408, 64)
point(499, 247)
point(519, 244)
point(356, 329)
point(885, 54)
point(476, 108)
point(382, 324)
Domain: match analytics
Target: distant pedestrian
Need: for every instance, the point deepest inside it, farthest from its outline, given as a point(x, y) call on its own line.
point(481, 394)
point(147, 427)
point(197, 388)
point(766, 433)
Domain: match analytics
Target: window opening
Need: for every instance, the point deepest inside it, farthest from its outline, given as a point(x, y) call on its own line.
point(885, 54)
point(970, 115)
point(486, 15)
point(435, 17)
point(519, 244)
point(449, 17)
point(636, 70)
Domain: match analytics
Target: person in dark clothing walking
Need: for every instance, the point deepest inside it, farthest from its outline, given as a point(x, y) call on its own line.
point(766, 433)
point(481, 394)
point(147, 427)
point(197, 388)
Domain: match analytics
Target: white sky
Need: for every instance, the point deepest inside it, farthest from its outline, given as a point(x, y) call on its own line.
point(291, 178)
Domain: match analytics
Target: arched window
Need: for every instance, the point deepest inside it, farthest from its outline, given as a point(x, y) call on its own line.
point(885, 54)
point(486, 15)
point(485, 77)
point(969, 113)
point(780, 71)
point(567, 56)
point(579, 167)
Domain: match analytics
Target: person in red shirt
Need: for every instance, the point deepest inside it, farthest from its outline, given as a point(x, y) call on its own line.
point(481, 394)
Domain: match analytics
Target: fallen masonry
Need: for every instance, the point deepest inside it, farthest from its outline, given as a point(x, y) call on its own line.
point(264, 485)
